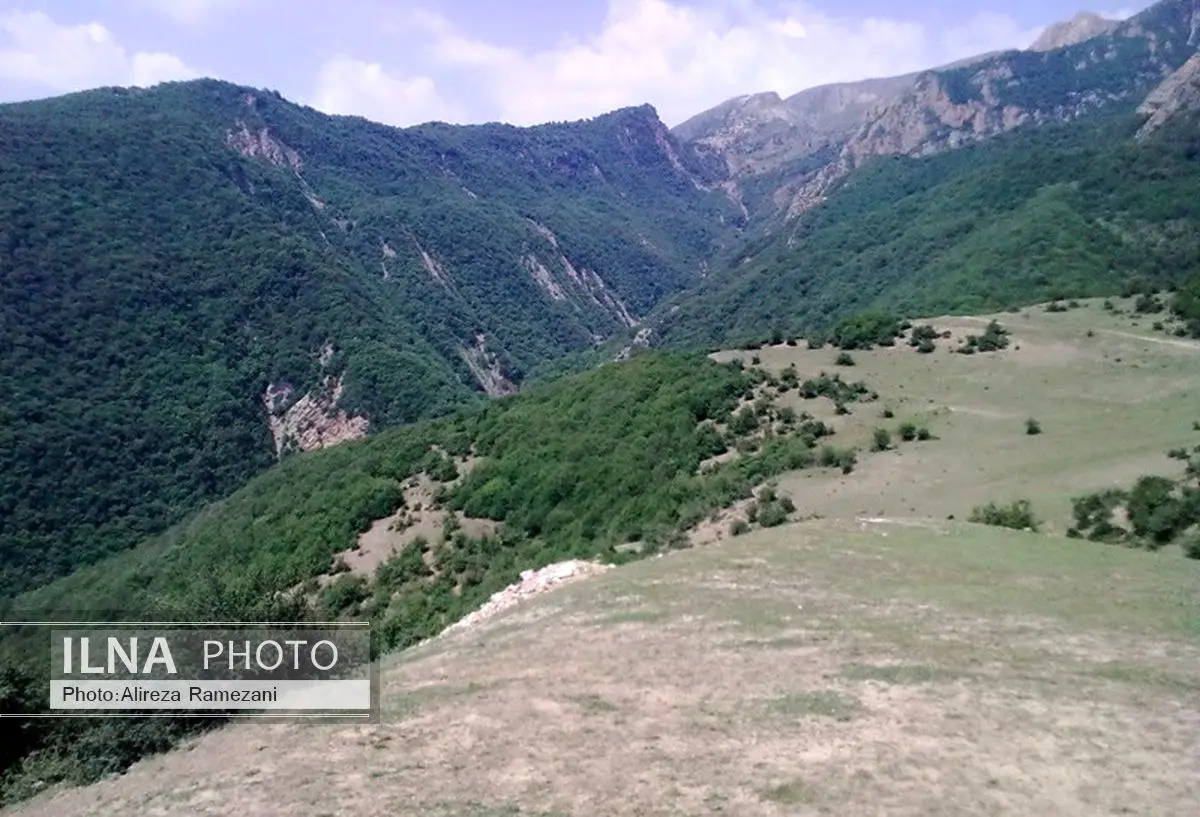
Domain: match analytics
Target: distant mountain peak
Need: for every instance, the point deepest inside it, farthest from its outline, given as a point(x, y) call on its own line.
point(1083, 26)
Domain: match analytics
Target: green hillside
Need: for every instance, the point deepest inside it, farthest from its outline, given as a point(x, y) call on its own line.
point(167, 254)
point(575, 468)
point(1065, 210)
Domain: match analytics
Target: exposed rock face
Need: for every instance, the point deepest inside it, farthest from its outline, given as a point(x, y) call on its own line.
point(262, 145)
point(579, 281)
point(1179, 93)
point(760, 132)
point(487, 370)
point(813, 139)
point(313, 421)
point(1083, 26)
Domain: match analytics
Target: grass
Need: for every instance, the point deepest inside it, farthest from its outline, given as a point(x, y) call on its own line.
point(823, 703)
point(882, 659)
point(1110, 406)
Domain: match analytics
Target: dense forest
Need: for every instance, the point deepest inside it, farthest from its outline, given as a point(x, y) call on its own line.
point(1064, 210)
point(168, 253)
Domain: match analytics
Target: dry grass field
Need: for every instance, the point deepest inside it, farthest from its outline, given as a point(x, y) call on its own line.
point(881, 659)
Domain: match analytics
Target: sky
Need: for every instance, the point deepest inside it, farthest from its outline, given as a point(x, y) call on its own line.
point(519, 61)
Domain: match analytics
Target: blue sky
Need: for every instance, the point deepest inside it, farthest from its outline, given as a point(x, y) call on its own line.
point(520, 61)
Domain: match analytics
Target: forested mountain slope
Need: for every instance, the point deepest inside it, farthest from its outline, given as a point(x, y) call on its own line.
point(197, 277)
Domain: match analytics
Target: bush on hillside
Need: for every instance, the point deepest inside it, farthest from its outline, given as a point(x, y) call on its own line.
point(1032, 426)
point(908, 431)
point(1018, 515)
point(864, 330)
point(881, 440)
point(843, 359)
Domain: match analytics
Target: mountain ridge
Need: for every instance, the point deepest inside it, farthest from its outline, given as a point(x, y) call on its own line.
point(943, 108)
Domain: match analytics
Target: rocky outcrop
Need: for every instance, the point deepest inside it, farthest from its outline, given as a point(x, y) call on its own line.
point(1179, 93)
point(1082, 27)
point(533, 582)
point(260, 144)
point(313, 421)
point(810, 141)
point(582, 281)
point(487, 369)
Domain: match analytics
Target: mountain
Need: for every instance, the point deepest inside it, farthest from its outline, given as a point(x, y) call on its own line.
point(1021, 176)
point(1083, 26)
point(198, 278)
point(798, 160)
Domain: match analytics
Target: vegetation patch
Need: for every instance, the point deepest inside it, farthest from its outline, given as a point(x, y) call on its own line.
point(898, 673)
point(1017, 515)
point(825, 703)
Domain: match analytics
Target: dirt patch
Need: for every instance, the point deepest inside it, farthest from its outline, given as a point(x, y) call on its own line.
point(715, 528)
point(420, 517)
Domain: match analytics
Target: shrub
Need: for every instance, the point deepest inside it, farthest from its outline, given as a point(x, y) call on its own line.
point(1155, 511)
point(744, 422)
point(1055, 306)
point(343, 594)
point(908, 431)
point(1108, 306)
point(829, 457)
point(923, 332)
point(755, 360)
point(1018, 516)
point(816, 343)
point(847, 459)
point(772, 515)
point(1147, 305)
point(843, 359)
point(738, 527)
point(923, 434)
point(993, 338)
point(1032, 426)
point(881, 440)
point(864, 330)
point(926, 347)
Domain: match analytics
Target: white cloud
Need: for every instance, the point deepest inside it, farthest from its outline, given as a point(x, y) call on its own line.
point(34, 49)
point(349, 86)
point(191, 12)
point(684, 59)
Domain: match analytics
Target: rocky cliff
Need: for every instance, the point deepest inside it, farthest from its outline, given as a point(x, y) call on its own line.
point(811, 140)
point(1083, 26)
point(1179, 93)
